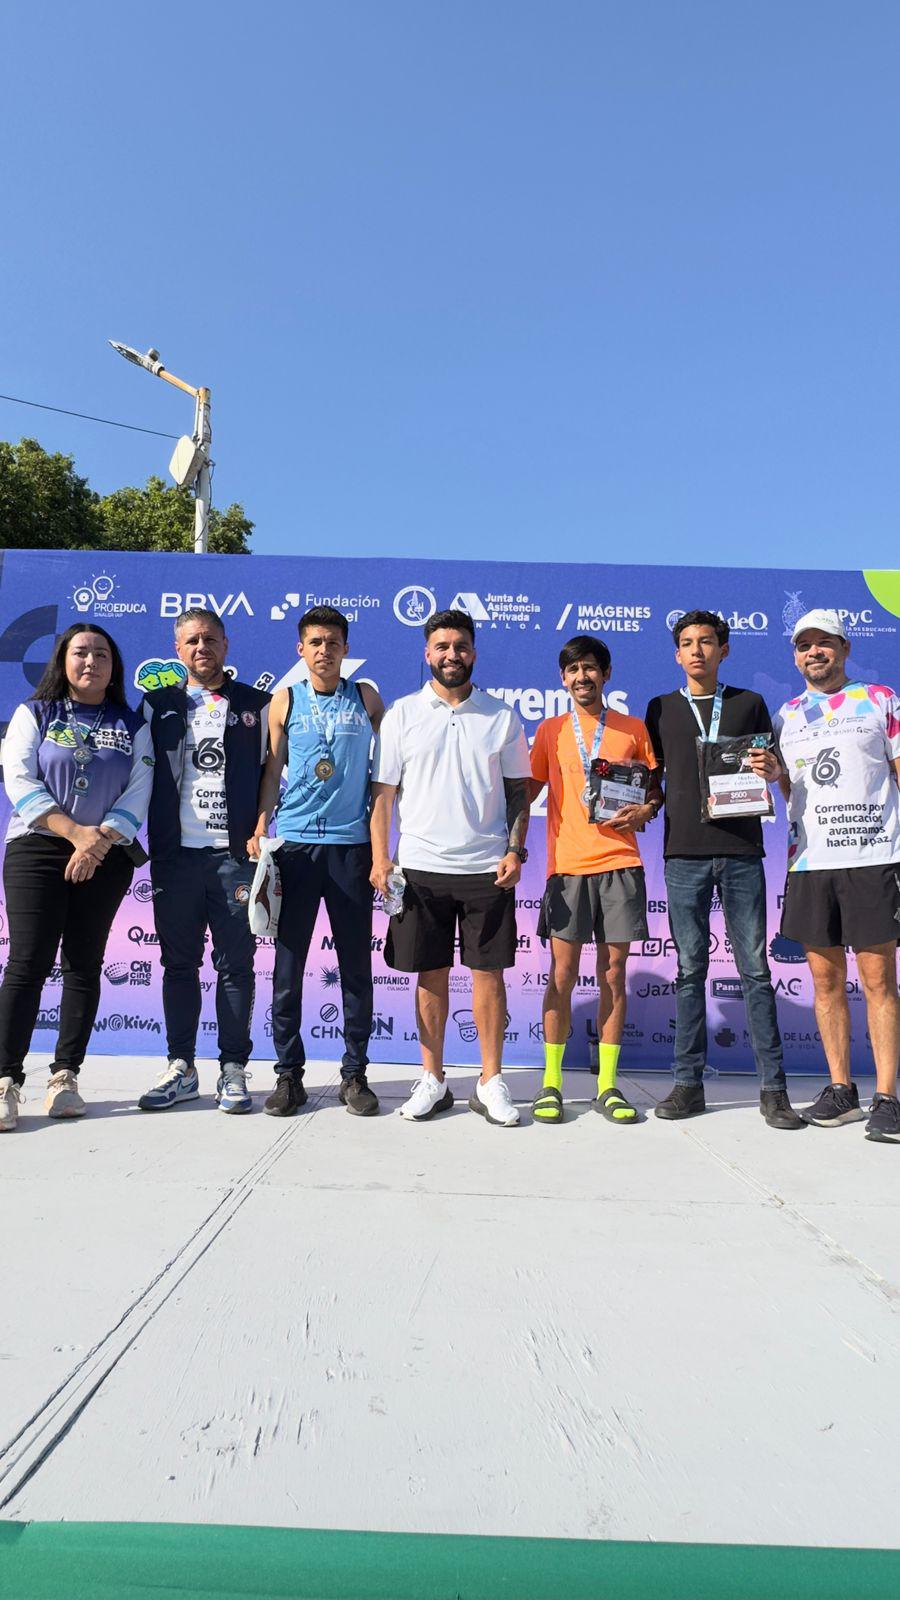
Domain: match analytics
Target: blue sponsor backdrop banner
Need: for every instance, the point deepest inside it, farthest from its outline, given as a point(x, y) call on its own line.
point(523, 614)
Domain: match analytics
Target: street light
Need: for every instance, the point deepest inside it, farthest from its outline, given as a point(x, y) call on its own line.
point(190, 464)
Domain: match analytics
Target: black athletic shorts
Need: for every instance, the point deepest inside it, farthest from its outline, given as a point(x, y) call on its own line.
point(855, 906)
point(422, 938)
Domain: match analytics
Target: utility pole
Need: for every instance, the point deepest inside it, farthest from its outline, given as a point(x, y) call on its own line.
point(191, 463)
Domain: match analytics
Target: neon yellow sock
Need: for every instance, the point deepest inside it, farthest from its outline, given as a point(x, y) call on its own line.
point(607, 1062)
point(553, 1060)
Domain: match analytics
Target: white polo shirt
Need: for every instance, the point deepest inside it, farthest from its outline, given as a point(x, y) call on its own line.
point(449, 763)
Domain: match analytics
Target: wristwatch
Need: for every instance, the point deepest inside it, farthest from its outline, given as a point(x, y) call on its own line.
point(518, 850)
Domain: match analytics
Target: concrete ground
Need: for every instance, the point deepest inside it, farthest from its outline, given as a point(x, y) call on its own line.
point(672, 1331)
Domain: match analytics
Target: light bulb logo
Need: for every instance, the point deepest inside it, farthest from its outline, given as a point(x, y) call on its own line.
point(94, 593)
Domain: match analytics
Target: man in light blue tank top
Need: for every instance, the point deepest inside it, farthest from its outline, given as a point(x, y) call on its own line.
point(322, 728)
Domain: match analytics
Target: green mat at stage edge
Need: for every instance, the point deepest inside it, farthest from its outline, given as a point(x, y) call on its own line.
point(183, 1561)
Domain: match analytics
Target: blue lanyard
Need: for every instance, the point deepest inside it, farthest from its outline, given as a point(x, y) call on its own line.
point(324, 726)
point(579, 740)
point(715, 719)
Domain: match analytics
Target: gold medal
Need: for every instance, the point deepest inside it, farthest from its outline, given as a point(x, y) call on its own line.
point(324, 769)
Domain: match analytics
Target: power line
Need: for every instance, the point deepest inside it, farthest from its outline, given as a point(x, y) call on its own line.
point(131, 426)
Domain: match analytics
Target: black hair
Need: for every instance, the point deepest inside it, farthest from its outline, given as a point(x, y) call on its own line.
point(460, 620)
point(323, 617)
point(702, 619)
point(582, 646)
point(54, 684)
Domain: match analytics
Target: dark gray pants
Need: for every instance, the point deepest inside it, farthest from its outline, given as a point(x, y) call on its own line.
point(194, 890)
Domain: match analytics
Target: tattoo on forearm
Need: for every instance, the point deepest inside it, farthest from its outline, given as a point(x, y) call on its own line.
point(516, 791)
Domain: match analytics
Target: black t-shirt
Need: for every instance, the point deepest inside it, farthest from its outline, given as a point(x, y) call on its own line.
point(673, 733)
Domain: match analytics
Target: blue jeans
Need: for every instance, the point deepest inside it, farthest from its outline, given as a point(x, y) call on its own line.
point(193, 890)
point(742, 889)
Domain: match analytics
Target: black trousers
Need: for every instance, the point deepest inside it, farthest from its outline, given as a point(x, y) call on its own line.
point(339, 875)
point(45, 911)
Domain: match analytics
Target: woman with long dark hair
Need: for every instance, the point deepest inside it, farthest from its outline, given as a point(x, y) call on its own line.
point(77, 767)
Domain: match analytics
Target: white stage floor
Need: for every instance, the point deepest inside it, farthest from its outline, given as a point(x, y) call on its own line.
point(668, 1332)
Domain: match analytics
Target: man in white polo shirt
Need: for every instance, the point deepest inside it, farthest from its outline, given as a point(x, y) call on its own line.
point(457, 762)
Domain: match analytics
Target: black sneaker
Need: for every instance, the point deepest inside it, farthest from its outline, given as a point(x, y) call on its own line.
point(838, 1103)
point(356, 1095)
point(775, 1106)
point(287, 1096)
point(884, 1119)
point(685, 1100)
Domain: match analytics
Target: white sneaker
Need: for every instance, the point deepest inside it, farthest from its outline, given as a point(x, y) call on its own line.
point(494, 1101)
point(10, 1095)
point(429, 1096)
point(62, 1098)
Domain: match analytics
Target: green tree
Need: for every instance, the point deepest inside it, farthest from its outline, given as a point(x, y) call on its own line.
point(161, 517)
point(45, 505)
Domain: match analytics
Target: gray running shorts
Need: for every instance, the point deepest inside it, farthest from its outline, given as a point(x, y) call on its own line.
point(610, 907)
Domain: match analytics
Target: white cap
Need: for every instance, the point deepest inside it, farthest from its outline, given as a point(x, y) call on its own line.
point(825, 621)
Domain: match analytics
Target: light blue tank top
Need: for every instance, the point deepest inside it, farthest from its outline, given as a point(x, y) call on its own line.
point(334, 810)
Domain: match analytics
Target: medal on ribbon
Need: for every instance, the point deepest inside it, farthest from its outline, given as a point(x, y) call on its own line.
point(588, 760)
point(325, 767)
point(82, 754)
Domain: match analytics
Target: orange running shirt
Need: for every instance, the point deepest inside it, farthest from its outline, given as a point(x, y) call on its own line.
point(575, 845)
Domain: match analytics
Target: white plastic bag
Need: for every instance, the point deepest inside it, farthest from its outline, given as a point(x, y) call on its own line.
point(264, 905)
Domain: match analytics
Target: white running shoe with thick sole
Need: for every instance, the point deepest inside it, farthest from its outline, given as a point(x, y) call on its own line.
point(10, 1095)
point(493, 1101)
point(430, 1095)
point(62, 1098)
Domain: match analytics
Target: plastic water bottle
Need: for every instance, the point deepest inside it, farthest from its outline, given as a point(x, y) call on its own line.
point(392, 902)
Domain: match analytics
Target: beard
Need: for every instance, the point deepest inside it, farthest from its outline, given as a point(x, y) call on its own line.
point(452, 676)
point(825, 675)
point(208, 671)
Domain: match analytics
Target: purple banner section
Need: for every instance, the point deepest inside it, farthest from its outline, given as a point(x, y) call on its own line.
point(523, 614)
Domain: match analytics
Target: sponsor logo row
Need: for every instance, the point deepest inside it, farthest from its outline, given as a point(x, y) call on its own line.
point(415, 603)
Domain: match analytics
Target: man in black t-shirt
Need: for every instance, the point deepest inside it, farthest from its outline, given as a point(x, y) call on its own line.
point(702, 856)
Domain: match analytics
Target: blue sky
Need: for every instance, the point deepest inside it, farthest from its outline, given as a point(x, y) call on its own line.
point(583, 281)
